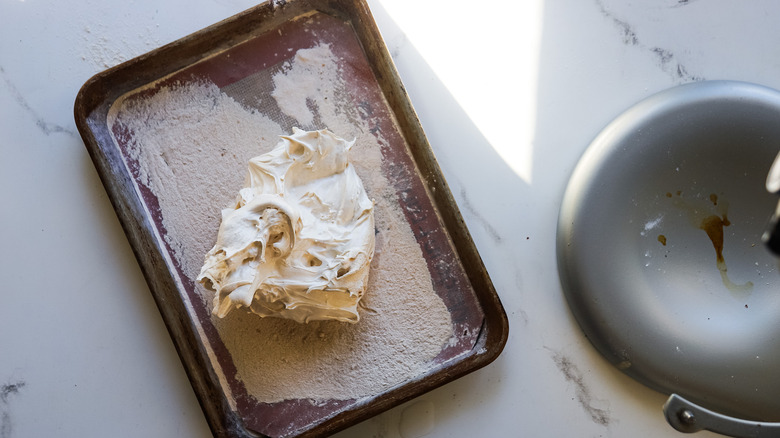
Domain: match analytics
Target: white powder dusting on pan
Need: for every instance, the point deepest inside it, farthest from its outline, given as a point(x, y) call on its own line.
point(293, 86)
point(192, 143)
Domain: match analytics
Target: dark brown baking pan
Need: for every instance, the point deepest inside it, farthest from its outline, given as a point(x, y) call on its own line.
point(225, 54)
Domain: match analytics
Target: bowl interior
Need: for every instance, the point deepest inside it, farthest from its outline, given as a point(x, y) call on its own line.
point(660, 250)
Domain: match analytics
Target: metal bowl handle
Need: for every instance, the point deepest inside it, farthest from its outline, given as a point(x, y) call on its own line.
point(689, 417)
point(771, 236)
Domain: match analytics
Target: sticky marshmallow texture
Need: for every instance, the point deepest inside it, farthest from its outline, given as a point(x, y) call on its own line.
point(300, 239)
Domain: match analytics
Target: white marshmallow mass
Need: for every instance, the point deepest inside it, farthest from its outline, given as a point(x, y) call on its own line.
point(300, 239)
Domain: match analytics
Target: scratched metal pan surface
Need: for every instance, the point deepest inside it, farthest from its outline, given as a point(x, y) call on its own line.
point(239, 55)
point(659, 246)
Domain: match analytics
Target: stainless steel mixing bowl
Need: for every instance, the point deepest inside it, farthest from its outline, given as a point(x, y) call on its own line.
point(659, 247)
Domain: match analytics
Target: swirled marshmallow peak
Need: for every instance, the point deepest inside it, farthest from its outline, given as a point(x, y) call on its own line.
point(299, 241)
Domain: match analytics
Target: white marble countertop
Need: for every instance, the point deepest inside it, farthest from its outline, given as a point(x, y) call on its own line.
point(509, 93)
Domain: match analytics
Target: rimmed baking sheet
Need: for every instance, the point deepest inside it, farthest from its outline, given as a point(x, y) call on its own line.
point(239, 58)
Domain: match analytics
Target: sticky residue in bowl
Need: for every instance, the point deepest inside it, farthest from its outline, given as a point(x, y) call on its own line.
point(711, 219)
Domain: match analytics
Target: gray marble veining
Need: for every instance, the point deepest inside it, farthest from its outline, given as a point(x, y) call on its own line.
point(664, 58)
point(45, 127)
